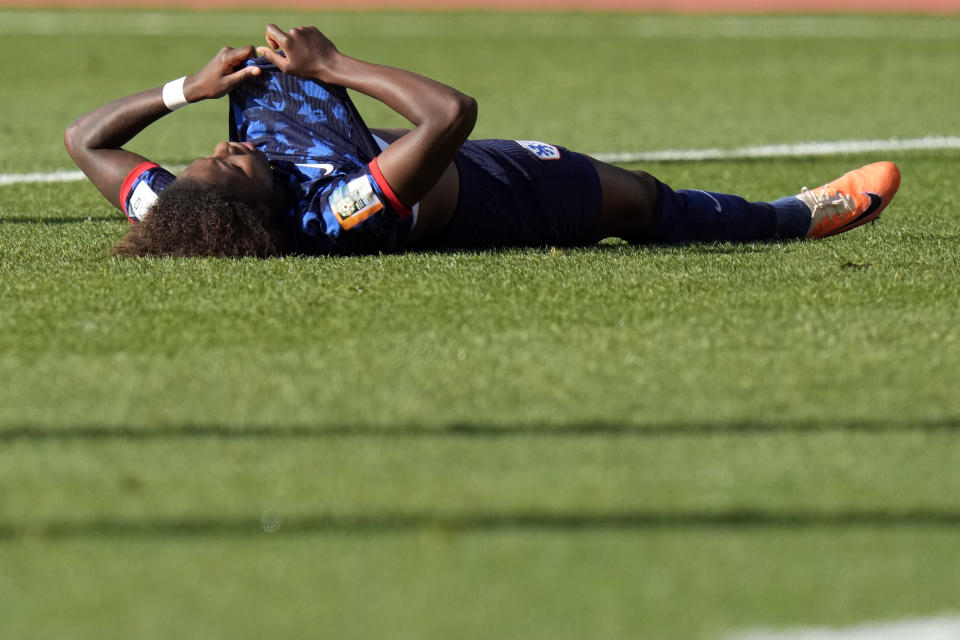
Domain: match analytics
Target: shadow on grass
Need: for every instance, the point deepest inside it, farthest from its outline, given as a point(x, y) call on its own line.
point(616, 246)
point(608, 246)
point(399, 522)
point(474, 430)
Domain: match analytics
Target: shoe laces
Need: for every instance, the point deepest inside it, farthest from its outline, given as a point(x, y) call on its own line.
point(827, 203)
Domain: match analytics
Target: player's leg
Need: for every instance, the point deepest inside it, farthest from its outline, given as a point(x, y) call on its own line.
point(628, 202)
point(639, 208)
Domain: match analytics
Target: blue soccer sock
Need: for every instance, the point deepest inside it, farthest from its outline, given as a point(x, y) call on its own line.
point(684, 216)
point(793, 217)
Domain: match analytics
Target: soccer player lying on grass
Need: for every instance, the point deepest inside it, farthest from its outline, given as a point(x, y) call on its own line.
point(302, 173)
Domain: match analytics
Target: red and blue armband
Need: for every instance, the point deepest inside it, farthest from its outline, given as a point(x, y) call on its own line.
point(141, 188)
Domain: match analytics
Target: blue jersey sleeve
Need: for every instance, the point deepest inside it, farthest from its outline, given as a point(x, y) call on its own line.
point(141, 189)
point(357, 213)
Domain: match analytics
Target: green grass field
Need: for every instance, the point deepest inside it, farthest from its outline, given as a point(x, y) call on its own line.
point(614, 442)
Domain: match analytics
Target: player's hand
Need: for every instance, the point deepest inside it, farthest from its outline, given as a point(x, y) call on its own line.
point(225, 71)
point(307, 52)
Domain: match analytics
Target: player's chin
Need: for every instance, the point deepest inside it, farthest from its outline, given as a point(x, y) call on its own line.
point(259, 160)
point(248, 148)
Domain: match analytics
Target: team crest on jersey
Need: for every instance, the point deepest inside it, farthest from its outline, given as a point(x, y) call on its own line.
point(141, 200)
point(542, 150)
point(355, 201)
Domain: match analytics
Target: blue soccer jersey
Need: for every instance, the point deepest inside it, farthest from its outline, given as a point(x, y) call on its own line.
point(321, 153)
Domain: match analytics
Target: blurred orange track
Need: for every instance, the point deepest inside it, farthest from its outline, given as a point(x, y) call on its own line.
point(678, 6)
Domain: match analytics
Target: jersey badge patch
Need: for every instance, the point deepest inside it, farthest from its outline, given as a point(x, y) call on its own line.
point(542, 150)
point(353, 202)
point(141, 200)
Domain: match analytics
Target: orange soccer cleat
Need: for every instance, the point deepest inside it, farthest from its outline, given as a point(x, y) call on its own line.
point(853, 199)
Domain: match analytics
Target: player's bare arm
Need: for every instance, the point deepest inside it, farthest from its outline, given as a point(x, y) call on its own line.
point(95, 140)
point(442, 116)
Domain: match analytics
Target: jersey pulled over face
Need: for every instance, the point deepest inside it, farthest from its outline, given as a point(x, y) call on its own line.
point(319, 151)
point(323, 155)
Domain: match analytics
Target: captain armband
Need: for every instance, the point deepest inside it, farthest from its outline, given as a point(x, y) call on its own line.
point(141, 189)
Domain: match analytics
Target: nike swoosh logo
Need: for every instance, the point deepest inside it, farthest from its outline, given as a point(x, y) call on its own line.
point(875, 203)
point(716, 203)
point(327, 168)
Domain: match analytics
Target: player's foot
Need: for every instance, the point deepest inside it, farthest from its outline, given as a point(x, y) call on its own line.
point(851, 200)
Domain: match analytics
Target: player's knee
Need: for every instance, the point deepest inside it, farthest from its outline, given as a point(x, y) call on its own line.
point(647, 189)
point(629, 199)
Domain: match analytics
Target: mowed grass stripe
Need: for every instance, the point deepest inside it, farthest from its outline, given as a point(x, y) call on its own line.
point(502, 584)
point(420, 26)
point(763, 480)
point(685, 91)
point(853, 329)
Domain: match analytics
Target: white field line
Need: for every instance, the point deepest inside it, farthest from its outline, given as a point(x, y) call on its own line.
point(800, 149)
point(60, 175)
point(945, 628)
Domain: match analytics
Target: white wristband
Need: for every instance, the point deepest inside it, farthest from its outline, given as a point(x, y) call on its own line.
point(173, 96)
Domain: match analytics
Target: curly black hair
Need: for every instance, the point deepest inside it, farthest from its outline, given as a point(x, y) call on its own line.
point(191, 219)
